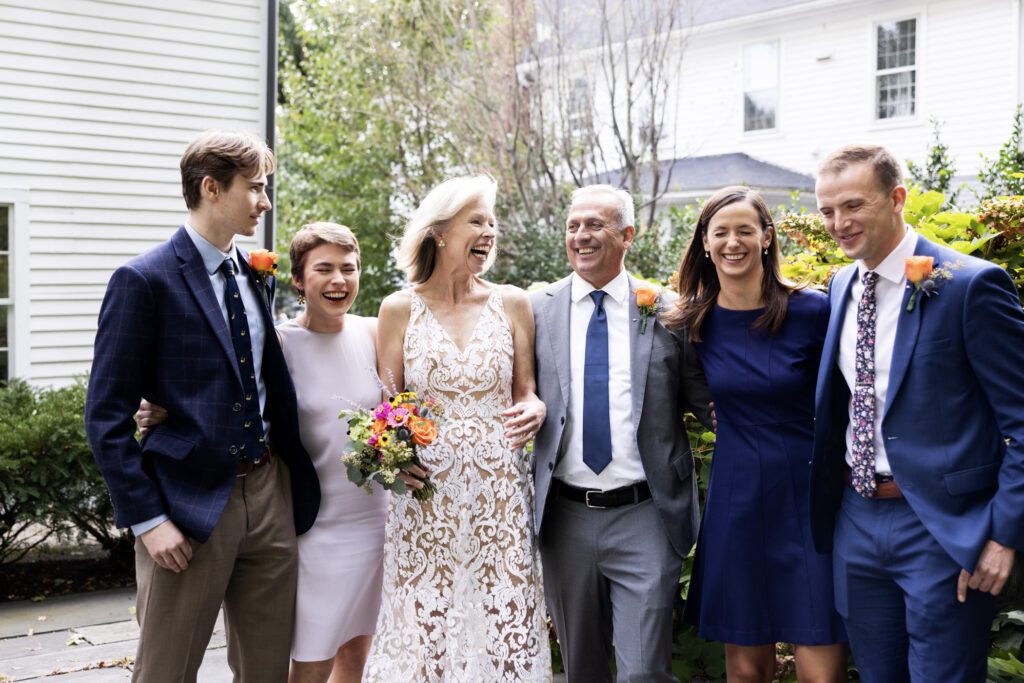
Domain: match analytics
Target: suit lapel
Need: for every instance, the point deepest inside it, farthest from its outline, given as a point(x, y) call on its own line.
point(193, 270)
point(839, 295)
point(640, 355)
point(556, 317)
point(907, 329)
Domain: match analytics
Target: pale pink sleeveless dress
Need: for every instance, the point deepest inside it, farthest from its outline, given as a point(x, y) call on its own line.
point(340, 558)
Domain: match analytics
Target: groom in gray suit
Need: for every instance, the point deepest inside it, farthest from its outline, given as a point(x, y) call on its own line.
point(616, 496)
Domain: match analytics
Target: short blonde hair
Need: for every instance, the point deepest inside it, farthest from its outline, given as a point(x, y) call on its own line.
point(222, 154)
point(623, 201)
point(312, 235)
point(417, 252)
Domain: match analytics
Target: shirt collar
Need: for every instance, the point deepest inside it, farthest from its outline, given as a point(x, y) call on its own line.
point(212, 256)
point(893, 268)
point(617, 288)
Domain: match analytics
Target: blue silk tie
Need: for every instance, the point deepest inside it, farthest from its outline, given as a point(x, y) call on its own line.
point(597, 431)
point(252, 444)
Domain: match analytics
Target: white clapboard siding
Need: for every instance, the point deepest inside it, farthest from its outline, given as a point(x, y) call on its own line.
point(98, 99)
point(967, 77)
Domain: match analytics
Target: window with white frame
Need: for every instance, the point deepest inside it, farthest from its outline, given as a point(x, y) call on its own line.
point(5, 291)
point(760, 85)
point(896, 69)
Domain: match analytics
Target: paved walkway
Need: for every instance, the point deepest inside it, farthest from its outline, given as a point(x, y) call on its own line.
point(85, 638)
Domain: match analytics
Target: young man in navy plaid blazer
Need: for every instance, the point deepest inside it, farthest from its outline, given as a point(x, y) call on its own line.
point(207, 496)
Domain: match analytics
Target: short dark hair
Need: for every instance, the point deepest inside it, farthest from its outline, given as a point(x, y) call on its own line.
point(887, 169)
point(221, 155)
point(313, 235)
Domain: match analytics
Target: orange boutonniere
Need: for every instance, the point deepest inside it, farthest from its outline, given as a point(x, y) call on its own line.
point(263, 263)
point(647, 302)
point(925, 277)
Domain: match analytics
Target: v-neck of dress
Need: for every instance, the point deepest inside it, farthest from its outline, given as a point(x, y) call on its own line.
point(448, 336)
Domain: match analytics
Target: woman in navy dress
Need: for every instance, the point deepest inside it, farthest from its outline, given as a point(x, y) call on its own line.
point(757, 579)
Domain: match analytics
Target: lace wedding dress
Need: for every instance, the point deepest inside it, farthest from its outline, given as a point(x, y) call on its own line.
point(462, 597)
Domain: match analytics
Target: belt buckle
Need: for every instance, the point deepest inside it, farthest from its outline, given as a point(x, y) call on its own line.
point(586, 500)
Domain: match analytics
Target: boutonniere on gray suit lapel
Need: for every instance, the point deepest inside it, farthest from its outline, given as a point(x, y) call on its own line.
point(648, 302)
point(264, 266)
point(926, 278)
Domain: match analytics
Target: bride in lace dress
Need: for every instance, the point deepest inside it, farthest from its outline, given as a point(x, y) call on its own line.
point(462, 598)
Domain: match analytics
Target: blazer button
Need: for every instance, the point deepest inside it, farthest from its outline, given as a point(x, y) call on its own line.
point(237, 407)
point(233, 450)
point(551, 466)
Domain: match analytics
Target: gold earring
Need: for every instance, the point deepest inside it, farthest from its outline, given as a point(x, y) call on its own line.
point(302, 298)
point(440, 242)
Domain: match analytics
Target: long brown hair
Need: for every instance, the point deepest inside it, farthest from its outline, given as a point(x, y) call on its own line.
point(698, 278)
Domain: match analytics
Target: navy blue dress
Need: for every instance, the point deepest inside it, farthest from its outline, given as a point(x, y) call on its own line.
point(757, 578)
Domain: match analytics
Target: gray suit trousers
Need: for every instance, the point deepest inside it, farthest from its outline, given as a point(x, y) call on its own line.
point(610, 576)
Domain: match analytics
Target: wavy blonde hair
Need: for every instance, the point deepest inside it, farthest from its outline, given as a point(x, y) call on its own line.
point(417, 251)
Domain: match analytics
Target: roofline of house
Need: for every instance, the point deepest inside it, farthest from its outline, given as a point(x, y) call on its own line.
point(269, 222)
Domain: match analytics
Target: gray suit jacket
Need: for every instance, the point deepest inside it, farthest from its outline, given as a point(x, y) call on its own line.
point(667, 380)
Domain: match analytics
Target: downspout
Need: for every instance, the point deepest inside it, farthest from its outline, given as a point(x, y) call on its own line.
point(269, 221)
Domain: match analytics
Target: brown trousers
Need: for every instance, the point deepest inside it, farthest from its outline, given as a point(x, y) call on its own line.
point(250, 565)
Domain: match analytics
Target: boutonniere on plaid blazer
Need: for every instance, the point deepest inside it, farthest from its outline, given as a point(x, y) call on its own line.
point(264, 266)
point(925, 277)
point(648, 301)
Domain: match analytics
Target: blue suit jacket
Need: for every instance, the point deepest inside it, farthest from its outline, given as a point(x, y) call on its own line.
point(162, 335)
point(954, 416)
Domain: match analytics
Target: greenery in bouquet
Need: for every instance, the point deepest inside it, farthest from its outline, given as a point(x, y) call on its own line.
point(387, 439)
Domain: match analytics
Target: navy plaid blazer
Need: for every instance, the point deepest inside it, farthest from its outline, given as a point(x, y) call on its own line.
point(162, 335)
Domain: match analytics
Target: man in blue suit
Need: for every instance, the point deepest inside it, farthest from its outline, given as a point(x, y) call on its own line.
point(918, 467)
point(188, 325)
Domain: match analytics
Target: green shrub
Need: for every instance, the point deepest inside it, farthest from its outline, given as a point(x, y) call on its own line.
point(48, 479)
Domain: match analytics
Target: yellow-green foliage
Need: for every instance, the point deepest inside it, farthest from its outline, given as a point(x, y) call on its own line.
point(994, 233)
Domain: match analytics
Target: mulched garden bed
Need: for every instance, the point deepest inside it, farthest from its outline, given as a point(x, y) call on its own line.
point(49, 577)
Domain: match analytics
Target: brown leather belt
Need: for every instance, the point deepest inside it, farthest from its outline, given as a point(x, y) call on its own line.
point(249, 466)
point(885, 486)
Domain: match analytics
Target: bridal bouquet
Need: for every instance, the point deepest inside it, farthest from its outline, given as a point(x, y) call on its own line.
point(386, 440)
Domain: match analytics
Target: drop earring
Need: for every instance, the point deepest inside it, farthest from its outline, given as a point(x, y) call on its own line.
point(707, 254)
point(440, 242)
point(302, 298)
point(766, 251)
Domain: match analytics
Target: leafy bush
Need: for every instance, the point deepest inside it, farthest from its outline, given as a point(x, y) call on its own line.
point(1003, 175)
point(49, 483)
point(938, 170)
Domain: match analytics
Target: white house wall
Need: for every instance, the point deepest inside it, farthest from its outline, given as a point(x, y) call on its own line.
point(968, 76)
point(967, 58)
point(97, 102)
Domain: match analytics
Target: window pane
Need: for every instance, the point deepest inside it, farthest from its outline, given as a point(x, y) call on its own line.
point(3, 365)
point(3, 330)
point(760, 85)
point(759, 110)
point(760, 66)
point(4, 238)
point(897, 44)
point(896, 94)
point(4, 276)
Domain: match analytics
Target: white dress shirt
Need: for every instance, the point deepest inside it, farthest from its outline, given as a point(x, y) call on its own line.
point(889, 289)
point(625, 467)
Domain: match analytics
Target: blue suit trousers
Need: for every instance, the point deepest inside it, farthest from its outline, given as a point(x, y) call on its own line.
point(895, 588)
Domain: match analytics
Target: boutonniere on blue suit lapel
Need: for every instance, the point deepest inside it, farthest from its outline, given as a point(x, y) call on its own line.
point(264, 266)
point(926, 278)
point(648, 302)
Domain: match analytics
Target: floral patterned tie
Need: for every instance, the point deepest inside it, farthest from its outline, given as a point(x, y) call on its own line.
point(863, 475)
